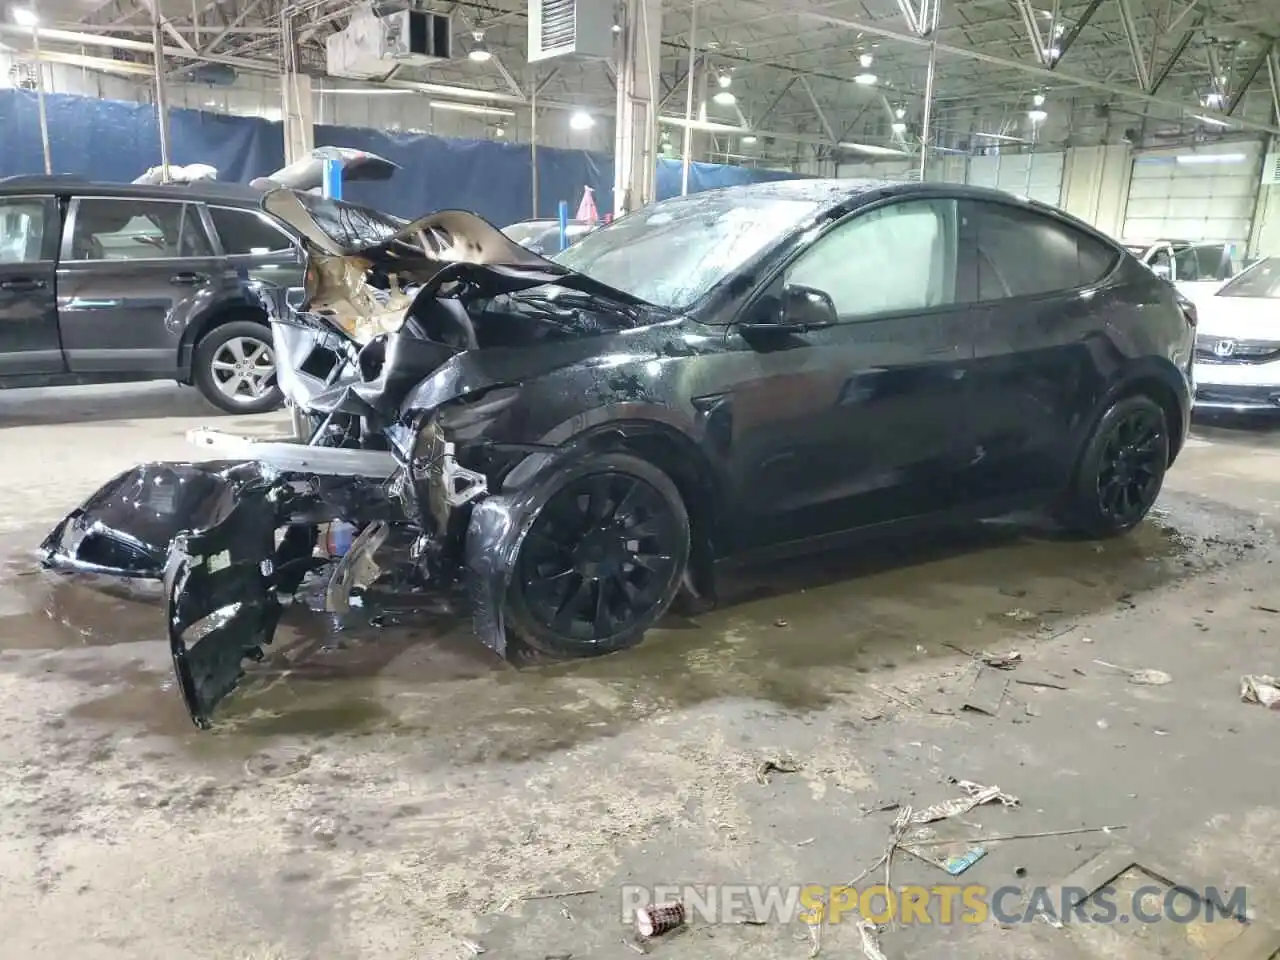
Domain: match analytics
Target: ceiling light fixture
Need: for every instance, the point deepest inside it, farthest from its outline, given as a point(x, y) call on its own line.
point(480, 50)
point(900, 113)
point(865, 79)
point(865, 61)
point(1212, 99)
point(899, 127)
point(749, 139)
point(725, 98)
point(1037, 115)
point(25, 17)
point(1196, 158)
point(500, 131)
point(581, 120)
point(726, 81)
point(471, 108)
point(1212, 121)
point(1038, 100)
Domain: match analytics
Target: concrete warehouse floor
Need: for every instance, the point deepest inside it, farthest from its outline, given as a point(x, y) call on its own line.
point(394, 792)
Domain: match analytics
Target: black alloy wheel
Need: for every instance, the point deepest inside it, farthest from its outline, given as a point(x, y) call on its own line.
point(602, 560)
point(1134, 455)
point(1122, 469)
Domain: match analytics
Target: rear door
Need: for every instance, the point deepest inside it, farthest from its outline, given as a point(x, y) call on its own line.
point(133, 274)
point(29, 229)
point(1042, 330)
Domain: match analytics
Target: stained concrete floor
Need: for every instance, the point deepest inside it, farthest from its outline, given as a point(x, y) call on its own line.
point(394, 792)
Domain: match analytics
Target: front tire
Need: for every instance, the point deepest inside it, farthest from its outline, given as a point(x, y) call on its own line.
point(602, 561)
point(1121, 470)
point(234, 367)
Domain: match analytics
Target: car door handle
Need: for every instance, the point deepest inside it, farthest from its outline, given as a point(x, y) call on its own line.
point(187, 279)
point(22, 285)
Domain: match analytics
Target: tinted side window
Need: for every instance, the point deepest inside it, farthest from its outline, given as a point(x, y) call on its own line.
point(138, 230)
point(1025, 253)
point(899, 257)
point(22, 230)
point(247, 232)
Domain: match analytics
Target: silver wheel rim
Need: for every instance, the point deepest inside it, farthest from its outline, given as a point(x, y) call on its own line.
point(242, 369)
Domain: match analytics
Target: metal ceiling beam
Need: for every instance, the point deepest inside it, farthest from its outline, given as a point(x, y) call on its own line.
point(1251, 71)
point(240, 18)
point(1273, 74)
point(137, 46)
point(817, 108)
point(1074, 32)
point(1176, 54)
point(1028, 68)
point(1029, 24)
point(167, 27)
point(773, 104)
point(1131, 39)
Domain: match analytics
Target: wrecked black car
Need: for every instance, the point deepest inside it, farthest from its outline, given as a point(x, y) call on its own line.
point(743, 373)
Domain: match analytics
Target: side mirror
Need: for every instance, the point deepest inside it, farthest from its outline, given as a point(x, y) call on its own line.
point(797, 310)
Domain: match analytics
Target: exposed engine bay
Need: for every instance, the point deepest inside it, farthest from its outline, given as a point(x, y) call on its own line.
point(403, 364)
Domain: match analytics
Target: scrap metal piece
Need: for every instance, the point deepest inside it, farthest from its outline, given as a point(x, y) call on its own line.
point(870, 940)
point(975, 796)
point(357, 568)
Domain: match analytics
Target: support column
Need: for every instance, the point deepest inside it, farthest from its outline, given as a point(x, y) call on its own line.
point(635, 153)
point(298, 115)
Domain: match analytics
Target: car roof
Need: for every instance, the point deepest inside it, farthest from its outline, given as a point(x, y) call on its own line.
point(202, 191)
point(833, 192)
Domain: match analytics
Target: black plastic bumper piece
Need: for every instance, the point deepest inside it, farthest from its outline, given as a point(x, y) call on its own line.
point(221, 603)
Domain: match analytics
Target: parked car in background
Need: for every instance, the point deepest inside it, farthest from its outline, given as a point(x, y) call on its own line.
point(742, 373)
point(1238, 343)
point(1195, 267)
point(107, 282)
point(543, 236)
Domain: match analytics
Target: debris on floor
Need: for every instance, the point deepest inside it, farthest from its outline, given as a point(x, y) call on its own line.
point(954, 865)
point(1261, 689)
point(987, 692)
point(775, 765)
point(975, 796)
point(1020, 615)
point(1148, 678)
point(870, 940)
point(659, 918)
point(1006, 661)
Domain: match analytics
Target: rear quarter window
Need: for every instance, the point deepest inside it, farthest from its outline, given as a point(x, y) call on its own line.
point(1022, 252)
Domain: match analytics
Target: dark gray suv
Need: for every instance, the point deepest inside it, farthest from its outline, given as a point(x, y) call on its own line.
point(109, 282)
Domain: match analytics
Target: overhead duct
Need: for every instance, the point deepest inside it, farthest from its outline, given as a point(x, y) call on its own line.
point(581, 29)
point(372, 47)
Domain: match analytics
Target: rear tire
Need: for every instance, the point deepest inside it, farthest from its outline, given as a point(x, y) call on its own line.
point(602, 560)
point(1121, 471)
point(234, 367)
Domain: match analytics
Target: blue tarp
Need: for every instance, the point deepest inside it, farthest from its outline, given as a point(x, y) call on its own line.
point(113, 140)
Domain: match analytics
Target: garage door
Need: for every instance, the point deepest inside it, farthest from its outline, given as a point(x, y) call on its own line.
point(1034, 175)
point(1208, 194)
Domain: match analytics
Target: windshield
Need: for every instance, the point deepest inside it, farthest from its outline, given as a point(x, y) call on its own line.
point(673, 253)
point(1262, 280)
point(351, 227)
point(524, 232)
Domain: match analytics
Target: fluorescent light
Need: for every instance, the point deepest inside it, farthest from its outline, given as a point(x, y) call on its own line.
point(865, 79)
point(725, 81)
point(874, 149)
point(899, 127)
point(997, 136)
point(1037, 115)
point(1212, 121)
point(865, 61)
point(25, 17)
point(581, 120)
point(1210, 158)
point(471, 108)
point(1038, 100)
point(749, 138)
point(725, 98)
point(900, 113)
